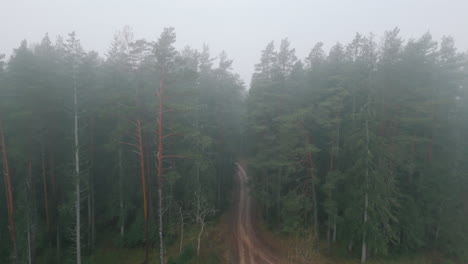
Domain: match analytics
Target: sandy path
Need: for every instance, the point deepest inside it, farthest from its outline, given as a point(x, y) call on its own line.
point(250, 249)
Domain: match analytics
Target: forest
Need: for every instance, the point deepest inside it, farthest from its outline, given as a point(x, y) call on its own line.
point(357, 153)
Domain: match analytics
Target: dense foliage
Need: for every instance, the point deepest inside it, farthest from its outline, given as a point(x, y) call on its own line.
point(118, 131)
point(365, 147)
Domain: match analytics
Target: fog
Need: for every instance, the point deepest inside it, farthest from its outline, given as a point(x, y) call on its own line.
point(242, 28)
point(325, 146)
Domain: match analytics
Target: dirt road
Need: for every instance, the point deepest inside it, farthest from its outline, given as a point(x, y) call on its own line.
point(249, 248)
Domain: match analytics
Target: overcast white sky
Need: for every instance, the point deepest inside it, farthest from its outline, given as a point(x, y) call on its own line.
point(240, 27)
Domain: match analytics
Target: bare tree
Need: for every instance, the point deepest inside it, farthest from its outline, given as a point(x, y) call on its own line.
point(203, 210)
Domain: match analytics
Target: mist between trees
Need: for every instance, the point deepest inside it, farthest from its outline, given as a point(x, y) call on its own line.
point(362, 147)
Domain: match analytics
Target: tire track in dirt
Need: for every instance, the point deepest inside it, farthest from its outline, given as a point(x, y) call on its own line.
point(249, 248)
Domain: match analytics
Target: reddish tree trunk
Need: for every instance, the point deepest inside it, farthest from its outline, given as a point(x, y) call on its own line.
point(143, 186)
point(8, 191)
point(160, 169)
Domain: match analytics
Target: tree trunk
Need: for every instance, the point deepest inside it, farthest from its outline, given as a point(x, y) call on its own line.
point(28, 202)
point(143, 186)
point(29, 243)
point(91, 188)
point(58, 244)
point(88, 236)
point(181, 229)
point(9, 194)
point(330, 195)
point(202, 222)
point(366, 198)
point(77, 172)
point(334, 229)
point(44, 184)
point(329, 232)
point(148, 178)
point(314, 195)
point(160, 170)
point(121, 200)
point(52, 173)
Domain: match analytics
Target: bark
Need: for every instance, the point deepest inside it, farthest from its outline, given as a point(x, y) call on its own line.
point(9, 194)
point(148, 177)
point(58, 245)
point(88, 236)
point(53, 186)
point(143, 186)
point(29, 244)
point(202, 222)
point(77, 173)
point(91, 189)
point(201, 214)
point(366, 199)
point(181, 229)
point(121, 200)
point(330, 194)
point(329, 232)
point(28, 197)
point(160, 170)
point(44, 184)
point(278, 201)
point(314, 195)
point(52, 173)
point(338, 127)
point(334, 229)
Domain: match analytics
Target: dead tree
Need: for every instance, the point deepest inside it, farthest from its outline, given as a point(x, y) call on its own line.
point(203, 210)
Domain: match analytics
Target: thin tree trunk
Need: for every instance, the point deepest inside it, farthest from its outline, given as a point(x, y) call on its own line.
point(314, 195)
point(199, 236)
point(278, 200)
point(29, 242)
point(88, 236)
point(334, 229)
point(93, 219)
point(44, 184)
point(52, 173)
point(77, 172)
point(121, 200)
point(366, 199)
point(337, 146)
point(143, 186)
point(181, 229)
point(9, 194)
point(58, 244)
point(330, 194)
point(91, 188)
point(148, 178)
point(160, 170)
point(328, 232)
point(28, 198)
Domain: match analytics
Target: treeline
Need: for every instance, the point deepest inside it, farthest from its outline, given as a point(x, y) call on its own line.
point(364, 147)
point(131, 146)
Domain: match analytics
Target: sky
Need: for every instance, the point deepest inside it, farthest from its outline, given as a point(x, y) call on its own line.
point(240, 27)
